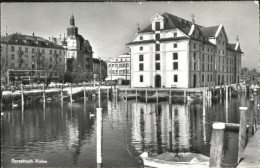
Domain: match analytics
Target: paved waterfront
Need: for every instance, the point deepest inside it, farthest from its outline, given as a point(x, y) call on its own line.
point(252, 152)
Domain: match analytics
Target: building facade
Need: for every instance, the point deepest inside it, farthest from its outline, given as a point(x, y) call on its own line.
point(27, 58)
point(118, 69)
point(99, 69)
point(79, 55)
point(174, 52)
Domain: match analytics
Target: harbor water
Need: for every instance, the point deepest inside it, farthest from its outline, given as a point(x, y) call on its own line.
point(64, 135)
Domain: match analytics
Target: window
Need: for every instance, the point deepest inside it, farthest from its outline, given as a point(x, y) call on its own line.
point(157, 66)
point(141, 78)
point(202, 67)
point(157, 36)
point(194, 46)
point(26, 50)
point(175, 45)
point(157, 56)
point(60, 52)
point(141, 37)
point(175, 78)
point(33, 58)
point(157, 26)
point(55, 52)
point(202, 78)
point(157, 47)
point(60, 59)
point(175, 65)
point(141, 67)
point(194, 56)
point(50, 58)
point(194, 66)
point(12, 57)
point(174, 34)
point(175, 56)
point(141, 57)
point(141, 48)
point(50, 51)
point(32, 50)
point(12, 48)
point(202, 48)
point(202, 57)
point(43, 51)
point(219, 51)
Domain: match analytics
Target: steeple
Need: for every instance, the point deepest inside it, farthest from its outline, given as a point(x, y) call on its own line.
point(192, 19)
point(72, 20)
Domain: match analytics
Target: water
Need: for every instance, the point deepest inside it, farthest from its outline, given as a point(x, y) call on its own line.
point(65, 135)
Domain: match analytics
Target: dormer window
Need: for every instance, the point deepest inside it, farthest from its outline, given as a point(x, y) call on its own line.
point(175, 45)
point(174, 34)
point(141, 48)
point(141, 37)
point(157, 26)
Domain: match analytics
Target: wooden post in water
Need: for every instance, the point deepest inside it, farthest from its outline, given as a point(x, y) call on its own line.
point(242, 133)
point(43, 95)
point(157, 95)
point(22, 96)
point(61, 93)
point(170, 96)
point(146, 95)
point(99, 135)
point(226, 97)
point(84, 91)
point(70, 93)
point(185, 95)
point(216, 148)
point(230, 90)
point(135, 94)
point(99, 97)
point(251, 118)
point(107, 93)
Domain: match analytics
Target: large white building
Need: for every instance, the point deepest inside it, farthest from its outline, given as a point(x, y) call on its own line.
point(174, 52)
point(118, 68)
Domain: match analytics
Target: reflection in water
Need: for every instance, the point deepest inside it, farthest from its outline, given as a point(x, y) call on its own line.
point(64, 134)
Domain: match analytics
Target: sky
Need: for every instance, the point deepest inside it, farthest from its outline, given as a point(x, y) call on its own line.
point(110, 25)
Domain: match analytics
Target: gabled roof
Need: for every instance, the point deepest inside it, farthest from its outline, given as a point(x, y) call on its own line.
point(20, 39)
point(209, 31)
point(232, 47)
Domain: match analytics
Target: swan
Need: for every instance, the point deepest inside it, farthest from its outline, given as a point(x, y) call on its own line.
point(91, 114)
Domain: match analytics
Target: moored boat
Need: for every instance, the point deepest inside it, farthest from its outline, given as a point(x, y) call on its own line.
point(172, 160)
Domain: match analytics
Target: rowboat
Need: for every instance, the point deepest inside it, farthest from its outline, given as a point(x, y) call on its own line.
point(194, 97)
point(176, 160)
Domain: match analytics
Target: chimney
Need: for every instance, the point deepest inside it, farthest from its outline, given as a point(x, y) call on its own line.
point(33, 34)
point(60, 35)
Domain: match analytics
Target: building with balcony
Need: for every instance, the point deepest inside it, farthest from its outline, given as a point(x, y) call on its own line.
point(118, 69)
point(174, 52)
point(27, 58)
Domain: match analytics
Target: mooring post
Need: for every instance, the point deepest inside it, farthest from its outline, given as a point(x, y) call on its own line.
point(22, 96)
point(146, 95)
point(99, 97)
point(70, 93)
point(185, 95)
point(216, 148)
point(43, 95)
point(99, 135)
point(226, 97)
point(157, 95)
point(107, 93)
point(251, 118)
point(61, 93)
point(242, 132)
point(135, 94)
point(84, 91)
point(230, 90)
point(170, 96)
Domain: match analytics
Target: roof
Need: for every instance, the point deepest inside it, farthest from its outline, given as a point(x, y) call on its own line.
point(26, 40)
point(209, 31)
point(175, 22)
